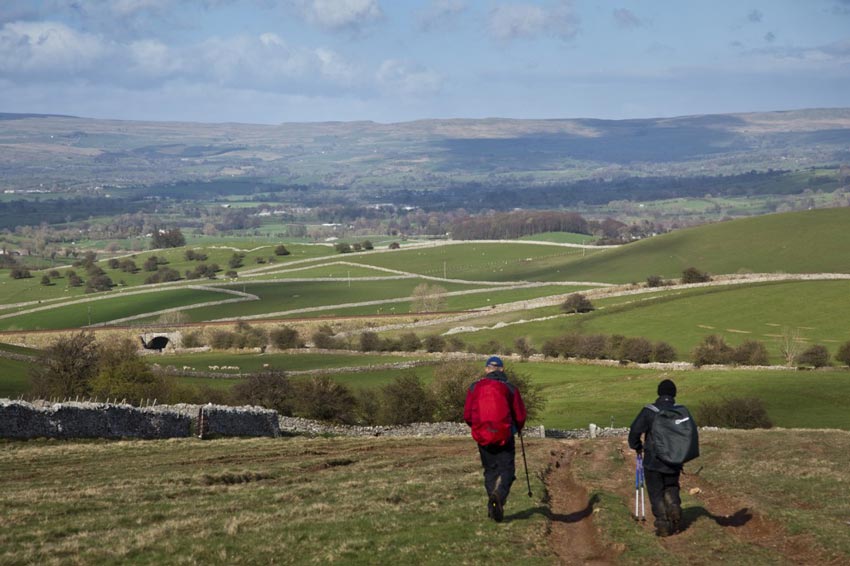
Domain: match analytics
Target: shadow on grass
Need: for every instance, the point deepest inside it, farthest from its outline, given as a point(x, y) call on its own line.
point(738, 519)
point(573, 517)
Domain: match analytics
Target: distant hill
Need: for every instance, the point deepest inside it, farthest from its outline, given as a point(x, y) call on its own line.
point(78, 153)
point(814, 241)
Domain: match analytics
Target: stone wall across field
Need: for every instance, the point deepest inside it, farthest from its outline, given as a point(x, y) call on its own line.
point(22, 420)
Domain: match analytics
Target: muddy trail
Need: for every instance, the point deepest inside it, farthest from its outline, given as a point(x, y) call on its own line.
point(580, 470)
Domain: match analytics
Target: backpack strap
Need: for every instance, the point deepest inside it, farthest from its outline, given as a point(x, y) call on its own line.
point(653, 408)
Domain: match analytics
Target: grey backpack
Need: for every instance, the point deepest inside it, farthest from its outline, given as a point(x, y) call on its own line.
point(675, 439)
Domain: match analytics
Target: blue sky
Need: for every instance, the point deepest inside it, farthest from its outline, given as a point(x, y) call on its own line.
point(272, 61)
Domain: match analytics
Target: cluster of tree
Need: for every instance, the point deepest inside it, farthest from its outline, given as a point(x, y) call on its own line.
point(246, 336)
point(345, 248)
point(506, 193)
point(126, 265)
point(603, 347)
point(194, 255)
point(735, 412)
point(404, 400)
point(714, 350)
point(79, 366)
point(203, 270)
point(162, 275)
point(171, 238)
point(511, 225)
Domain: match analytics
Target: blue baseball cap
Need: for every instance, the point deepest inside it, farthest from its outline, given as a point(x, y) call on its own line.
point(495, 361)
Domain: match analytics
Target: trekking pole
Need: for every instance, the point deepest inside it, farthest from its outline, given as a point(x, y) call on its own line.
point(637, 487)
point(642, 489)
point(524, 463)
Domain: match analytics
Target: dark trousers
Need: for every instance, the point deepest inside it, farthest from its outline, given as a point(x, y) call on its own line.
point(499, 471)
point(657, 485)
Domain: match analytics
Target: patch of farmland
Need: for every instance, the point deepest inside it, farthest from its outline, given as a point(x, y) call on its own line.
point(255, 362)
point(495, 261)
point(280, 298)
point(818, 310)
point(110, 307)
point(472, 299)
point(336, 270)
point(814, 241)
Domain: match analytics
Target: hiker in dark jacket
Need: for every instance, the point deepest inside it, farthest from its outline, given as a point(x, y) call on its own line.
point(662, 479)
point(495, 411)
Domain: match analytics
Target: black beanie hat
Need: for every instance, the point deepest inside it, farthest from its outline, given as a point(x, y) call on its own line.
point(667, 387)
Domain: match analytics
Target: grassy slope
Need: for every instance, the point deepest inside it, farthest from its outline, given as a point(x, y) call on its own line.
point(481, 261)
point(288, 501)
point(818, 309)
point(799, 242)
point(402, 501)
point(109, 308)
point(767, 497)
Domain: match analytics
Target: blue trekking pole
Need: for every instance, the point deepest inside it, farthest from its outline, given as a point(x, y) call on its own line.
point(639, 489)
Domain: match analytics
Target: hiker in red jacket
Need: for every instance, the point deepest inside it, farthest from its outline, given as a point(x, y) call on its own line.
point(495, 411)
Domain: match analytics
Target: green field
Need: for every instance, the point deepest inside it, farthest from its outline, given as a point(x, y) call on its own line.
point(763, 498)
point(817, 310)
point(254, 362)
point(109, 308)
point(482, 261)
point(814, 241)
point(280, 297)
point(560, 238)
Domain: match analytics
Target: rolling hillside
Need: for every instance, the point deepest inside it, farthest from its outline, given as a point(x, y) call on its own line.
point(815, 241)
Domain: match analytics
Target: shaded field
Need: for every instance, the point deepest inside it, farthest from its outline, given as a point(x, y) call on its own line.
point(109, 308)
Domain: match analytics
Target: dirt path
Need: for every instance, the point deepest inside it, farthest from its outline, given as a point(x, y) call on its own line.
point(573, 537)
point(576, 539)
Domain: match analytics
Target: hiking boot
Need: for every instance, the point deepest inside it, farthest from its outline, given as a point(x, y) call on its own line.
point(663, 529)
point(494, 507)
point(674, 512)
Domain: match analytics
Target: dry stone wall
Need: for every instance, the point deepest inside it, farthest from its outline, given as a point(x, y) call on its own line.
point(23, 420)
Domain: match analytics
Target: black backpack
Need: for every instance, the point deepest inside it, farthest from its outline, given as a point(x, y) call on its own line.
point(675, 439)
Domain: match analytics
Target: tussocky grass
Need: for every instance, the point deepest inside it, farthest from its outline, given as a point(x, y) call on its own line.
point(249, 501)
point(794, 481)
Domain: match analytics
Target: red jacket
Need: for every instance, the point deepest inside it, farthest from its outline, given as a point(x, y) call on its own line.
point(494, 409)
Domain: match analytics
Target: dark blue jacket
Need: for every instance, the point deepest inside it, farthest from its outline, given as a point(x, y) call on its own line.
point(641, 427)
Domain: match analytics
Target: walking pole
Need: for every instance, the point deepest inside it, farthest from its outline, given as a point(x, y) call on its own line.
point(642, 489)
point(637, 486)
point(524, 463)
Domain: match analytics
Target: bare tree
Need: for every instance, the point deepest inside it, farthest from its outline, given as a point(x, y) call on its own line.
point(791, 345)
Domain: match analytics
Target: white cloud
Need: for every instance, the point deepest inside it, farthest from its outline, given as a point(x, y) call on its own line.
point(510, 21)
point(396, 76)
point(269, 62)
point(48, 47)
point(150, 58)
point(341, 15)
